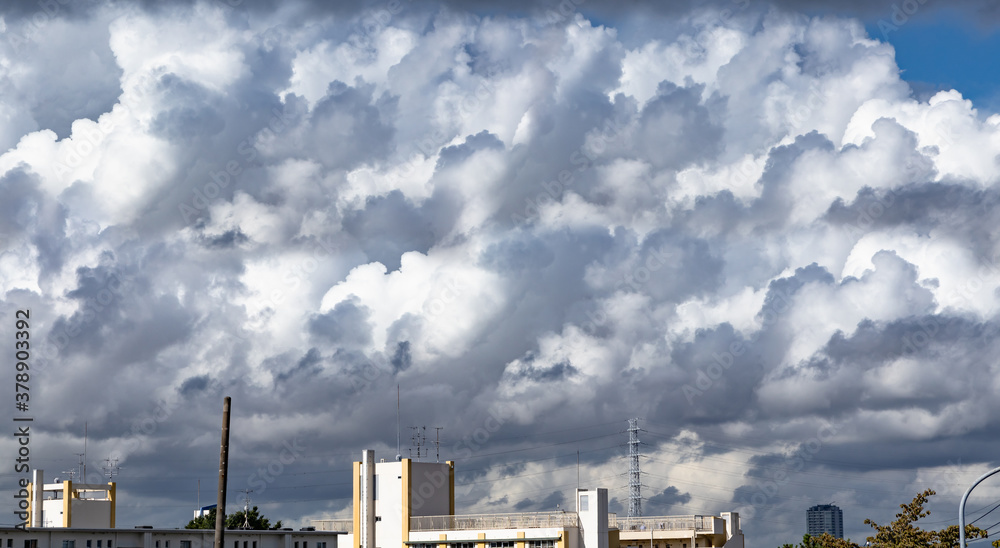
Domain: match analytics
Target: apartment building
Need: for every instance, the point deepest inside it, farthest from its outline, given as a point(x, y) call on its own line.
point(407, 504)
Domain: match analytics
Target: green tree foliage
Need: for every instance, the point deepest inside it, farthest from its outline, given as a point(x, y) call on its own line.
point(236, 520)
point(826, 540)
point(901, 533)
point(204, 521)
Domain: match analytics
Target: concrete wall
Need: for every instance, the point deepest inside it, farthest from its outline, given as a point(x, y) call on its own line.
point(52, 513)
point(90, 513)
point(389, 504)
point(406, 489)
point(430, 489)
point(592, 507)
point(164, 538)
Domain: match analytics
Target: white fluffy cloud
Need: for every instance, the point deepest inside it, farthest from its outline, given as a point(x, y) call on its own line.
point(742, 228)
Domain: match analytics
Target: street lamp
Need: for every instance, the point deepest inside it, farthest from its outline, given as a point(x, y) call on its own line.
point(961, 507)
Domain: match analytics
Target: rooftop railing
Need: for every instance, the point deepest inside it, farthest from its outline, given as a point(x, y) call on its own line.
point(523, 520)
point(346, 525)
point(663, 523)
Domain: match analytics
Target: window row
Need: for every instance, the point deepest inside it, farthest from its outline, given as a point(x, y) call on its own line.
point(72, 543)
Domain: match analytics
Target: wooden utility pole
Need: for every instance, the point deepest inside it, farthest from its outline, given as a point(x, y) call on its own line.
point(220, 507)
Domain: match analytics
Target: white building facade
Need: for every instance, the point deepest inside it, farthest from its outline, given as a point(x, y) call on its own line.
point(406, 504)
point(143, 537)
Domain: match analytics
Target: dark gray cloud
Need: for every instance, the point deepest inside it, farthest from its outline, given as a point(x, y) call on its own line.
point(345, 325)
point(389, 226)
point(549, 503)
point(661, 503)
point(576, 220)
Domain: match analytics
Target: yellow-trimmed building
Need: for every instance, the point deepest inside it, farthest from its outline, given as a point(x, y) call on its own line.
point(69, 504)
point(408, 504)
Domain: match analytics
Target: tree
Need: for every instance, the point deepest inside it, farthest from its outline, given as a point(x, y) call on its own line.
point(237, 520)
point(826, 540)
point(204, 521)
point(901, 533)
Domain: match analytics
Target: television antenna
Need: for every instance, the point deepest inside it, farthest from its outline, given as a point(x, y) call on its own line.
point(399, 455)
point(110, 468)
point(437, 443)
point(418, 439)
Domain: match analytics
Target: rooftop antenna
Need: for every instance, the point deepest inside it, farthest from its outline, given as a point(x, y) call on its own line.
point(83, 477)
point(399, 456)
point(437, 443)
point(418, 439)
point(79, 467)
point(246, 508)
point(110, 468)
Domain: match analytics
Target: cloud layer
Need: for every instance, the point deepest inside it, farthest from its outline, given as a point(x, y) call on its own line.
point(742, 228)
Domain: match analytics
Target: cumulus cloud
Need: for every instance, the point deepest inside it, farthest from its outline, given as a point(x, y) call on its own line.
point(742, 227)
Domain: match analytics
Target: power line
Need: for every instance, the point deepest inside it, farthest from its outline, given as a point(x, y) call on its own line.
point(984, 515)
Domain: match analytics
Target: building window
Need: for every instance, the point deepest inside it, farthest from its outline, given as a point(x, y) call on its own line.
point(245, 544)
point(157, 544)
point(68, 543)
point(305, 544)
point(296, 544)
point(318, 545)
point(584, 503)
point(88, 543)
point(542, 544)
point(98, 543)
point(185, 544)
point(109, 543)
point(464, 545)
point(502, 544)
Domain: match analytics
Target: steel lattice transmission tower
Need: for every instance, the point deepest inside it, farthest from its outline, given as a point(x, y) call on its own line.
point(634, 479)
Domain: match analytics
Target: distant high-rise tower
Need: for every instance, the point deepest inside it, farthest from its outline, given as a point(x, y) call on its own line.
point(825, 518)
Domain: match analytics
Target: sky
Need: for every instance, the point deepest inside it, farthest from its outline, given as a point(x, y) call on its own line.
point(768, 230)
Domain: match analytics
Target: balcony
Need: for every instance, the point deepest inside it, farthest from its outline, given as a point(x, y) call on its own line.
point(523, 520)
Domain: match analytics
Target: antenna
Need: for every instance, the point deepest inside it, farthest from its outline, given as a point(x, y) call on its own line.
point(80, 466)
point(399, 456)
point(246, 507)
point(418, 439)
point(437, 443)
point(84, 473)
point(110, 468)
